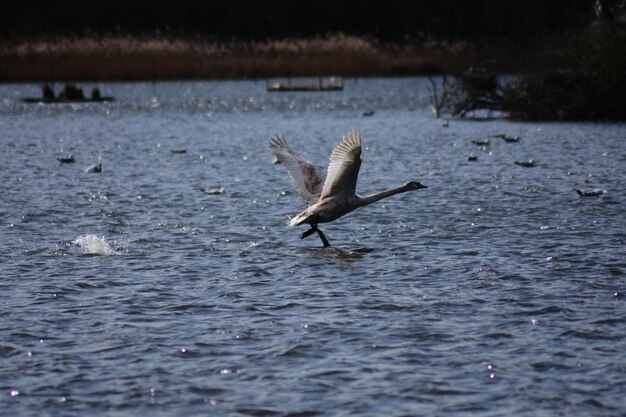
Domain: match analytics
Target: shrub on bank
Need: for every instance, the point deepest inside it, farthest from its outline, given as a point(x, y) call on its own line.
point(573, 76)
point(577, 76)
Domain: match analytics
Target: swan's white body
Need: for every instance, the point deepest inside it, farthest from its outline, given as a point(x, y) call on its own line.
point(334, 195)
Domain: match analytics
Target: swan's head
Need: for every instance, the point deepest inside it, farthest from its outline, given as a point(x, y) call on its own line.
point(414, 185)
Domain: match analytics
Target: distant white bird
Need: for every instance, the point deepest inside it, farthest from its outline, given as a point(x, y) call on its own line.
point(334, 196)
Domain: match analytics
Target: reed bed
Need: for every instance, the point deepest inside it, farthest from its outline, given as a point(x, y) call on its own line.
point(136, 58)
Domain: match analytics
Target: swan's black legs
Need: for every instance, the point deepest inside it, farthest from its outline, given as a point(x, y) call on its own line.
point(308, 232)
point(324, 241)
point(312, 230)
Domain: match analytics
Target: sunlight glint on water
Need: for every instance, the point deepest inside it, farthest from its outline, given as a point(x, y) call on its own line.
point(497, 291)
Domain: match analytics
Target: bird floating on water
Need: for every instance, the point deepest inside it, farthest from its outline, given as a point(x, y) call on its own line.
point(334, 195)
point(95, 168)
point(481, 142)
point(219, 190)
point(472, 157)
point(528, 164)
point(368, 113)
point(67, 159)
point(504, 137)
point(590, 193)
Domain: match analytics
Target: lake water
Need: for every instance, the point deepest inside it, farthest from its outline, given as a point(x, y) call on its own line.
point(497, 291)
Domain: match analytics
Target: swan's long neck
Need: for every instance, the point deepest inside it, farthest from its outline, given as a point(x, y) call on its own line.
point(369, 199)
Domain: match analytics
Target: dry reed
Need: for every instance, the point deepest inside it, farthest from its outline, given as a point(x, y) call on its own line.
point(132, 58)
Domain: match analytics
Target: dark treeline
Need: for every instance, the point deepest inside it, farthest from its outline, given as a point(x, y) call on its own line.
point(387, 22)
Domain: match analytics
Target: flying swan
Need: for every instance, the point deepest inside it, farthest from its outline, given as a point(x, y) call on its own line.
point(334, 196)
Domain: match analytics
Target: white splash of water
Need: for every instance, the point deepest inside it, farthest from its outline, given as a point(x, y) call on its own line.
point(96, 245)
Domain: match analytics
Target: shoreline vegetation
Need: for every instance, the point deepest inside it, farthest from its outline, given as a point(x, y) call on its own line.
point(130, 58)
point(574, 75)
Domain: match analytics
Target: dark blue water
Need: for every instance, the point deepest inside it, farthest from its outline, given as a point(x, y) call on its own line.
point(498, 291)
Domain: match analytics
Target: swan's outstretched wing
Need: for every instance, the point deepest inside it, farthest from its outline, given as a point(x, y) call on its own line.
point(307, 177)
point(343, 170)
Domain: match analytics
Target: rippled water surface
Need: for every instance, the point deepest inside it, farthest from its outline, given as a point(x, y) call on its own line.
point(497, 291)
